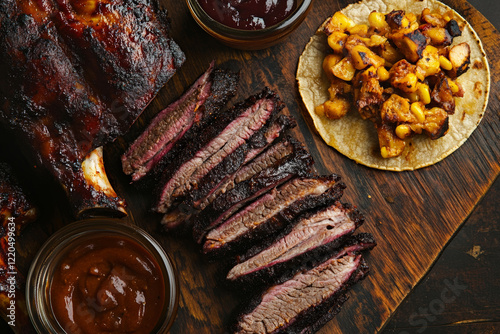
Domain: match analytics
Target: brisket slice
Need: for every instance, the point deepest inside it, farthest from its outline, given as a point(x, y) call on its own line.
point(302, 304)
point(281, 162)
point(217, 140)
point(212, 184)
point(308, 239)
point(171, 123)
point(271, 213)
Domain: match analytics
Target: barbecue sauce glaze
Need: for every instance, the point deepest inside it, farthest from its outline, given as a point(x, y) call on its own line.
point(248, 14)
point(107, 285)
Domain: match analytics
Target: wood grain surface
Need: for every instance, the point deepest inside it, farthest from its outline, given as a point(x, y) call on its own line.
point(413, 215)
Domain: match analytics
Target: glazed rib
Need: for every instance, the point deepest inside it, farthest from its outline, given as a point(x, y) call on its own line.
point(78, 79)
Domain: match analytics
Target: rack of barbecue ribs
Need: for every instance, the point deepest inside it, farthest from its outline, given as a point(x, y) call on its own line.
point(75, 75)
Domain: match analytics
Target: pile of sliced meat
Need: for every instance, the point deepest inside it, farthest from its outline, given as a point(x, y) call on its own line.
point(246, 191)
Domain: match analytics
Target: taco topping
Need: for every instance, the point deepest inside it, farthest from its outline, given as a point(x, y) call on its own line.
point(399, 71)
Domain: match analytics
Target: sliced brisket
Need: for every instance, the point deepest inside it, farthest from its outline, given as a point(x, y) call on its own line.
point(173, 122)
point(301, 304)
point(281, 162)
point(218, 139)
point(271, 213)
point(213, 183)
point(309, 239)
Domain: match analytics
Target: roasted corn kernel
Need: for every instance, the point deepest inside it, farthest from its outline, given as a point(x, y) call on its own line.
point(403, 131)
point(320, 110)
point(339, 22)
point(384, 153)
point(423, 93)
point(382, 73)
point(453, 86)
point(344, 69)
point(445, 63)
point(418, 110)
point(413, 97)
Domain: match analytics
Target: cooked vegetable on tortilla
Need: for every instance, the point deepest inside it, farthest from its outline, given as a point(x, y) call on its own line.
point(415, 69)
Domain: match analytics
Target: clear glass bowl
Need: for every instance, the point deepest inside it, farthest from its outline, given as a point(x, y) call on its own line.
point(38, 283)
point(250, 39)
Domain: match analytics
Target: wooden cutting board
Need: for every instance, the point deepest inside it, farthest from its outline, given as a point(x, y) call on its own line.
point(412, 214)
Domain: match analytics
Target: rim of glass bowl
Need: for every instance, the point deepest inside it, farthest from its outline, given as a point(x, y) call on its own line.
point(38, 279)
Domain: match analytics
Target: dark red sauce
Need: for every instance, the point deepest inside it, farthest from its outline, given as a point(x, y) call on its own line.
point(108, 285)
point(248, 14)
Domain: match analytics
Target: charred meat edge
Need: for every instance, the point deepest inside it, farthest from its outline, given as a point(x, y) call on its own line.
point(250, 116)
point(308, 239)
point(294, 305)
point(272, 212)
point(166, 128)
point(215, 182)
point(278, 164)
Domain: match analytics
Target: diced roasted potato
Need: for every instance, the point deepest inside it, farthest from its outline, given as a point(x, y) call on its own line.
point(396, 109)
point(344, 69)
point(403, 76)
point(411, 44)
point(329, 62)
point(336, 108)
point(377, 21)
point(434, 19)
point(336, 40)
point(390, 53)
point(436, 123)
point(429, 63)
point(390, 144)
point(338, 22)
point(459, 57)
point(438, 36)
point(397, 19)
point(442, 96)
point(359, 29)
point(363, 56)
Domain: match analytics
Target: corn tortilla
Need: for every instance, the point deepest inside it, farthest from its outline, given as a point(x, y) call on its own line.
point(357, 138)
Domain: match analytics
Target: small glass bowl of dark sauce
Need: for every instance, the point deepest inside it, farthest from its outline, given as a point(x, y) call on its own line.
point(249, 24)
point(102, 275)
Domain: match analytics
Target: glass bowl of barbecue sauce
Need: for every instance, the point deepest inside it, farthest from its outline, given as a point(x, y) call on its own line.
point(102, 276)
point(250, 24)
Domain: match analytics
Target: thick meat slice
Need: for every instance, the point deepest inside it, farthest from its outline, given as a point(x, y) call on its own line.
point(216, 181)
point(313, 236)
point(301, 304)
point(282, 161)
point(271, 213)
point(216, 141)
point(171, 123)
point(78, 78)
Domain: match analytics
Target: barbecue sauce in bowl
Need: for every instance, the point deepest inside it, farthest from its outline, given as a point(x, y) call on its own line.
point(248, 14)
point(102, 275)
point(108, 284)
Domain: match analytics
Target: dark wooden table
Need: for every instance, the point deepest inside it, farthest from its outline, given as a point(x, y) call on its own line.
point(471, 259)
point(398, 297)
